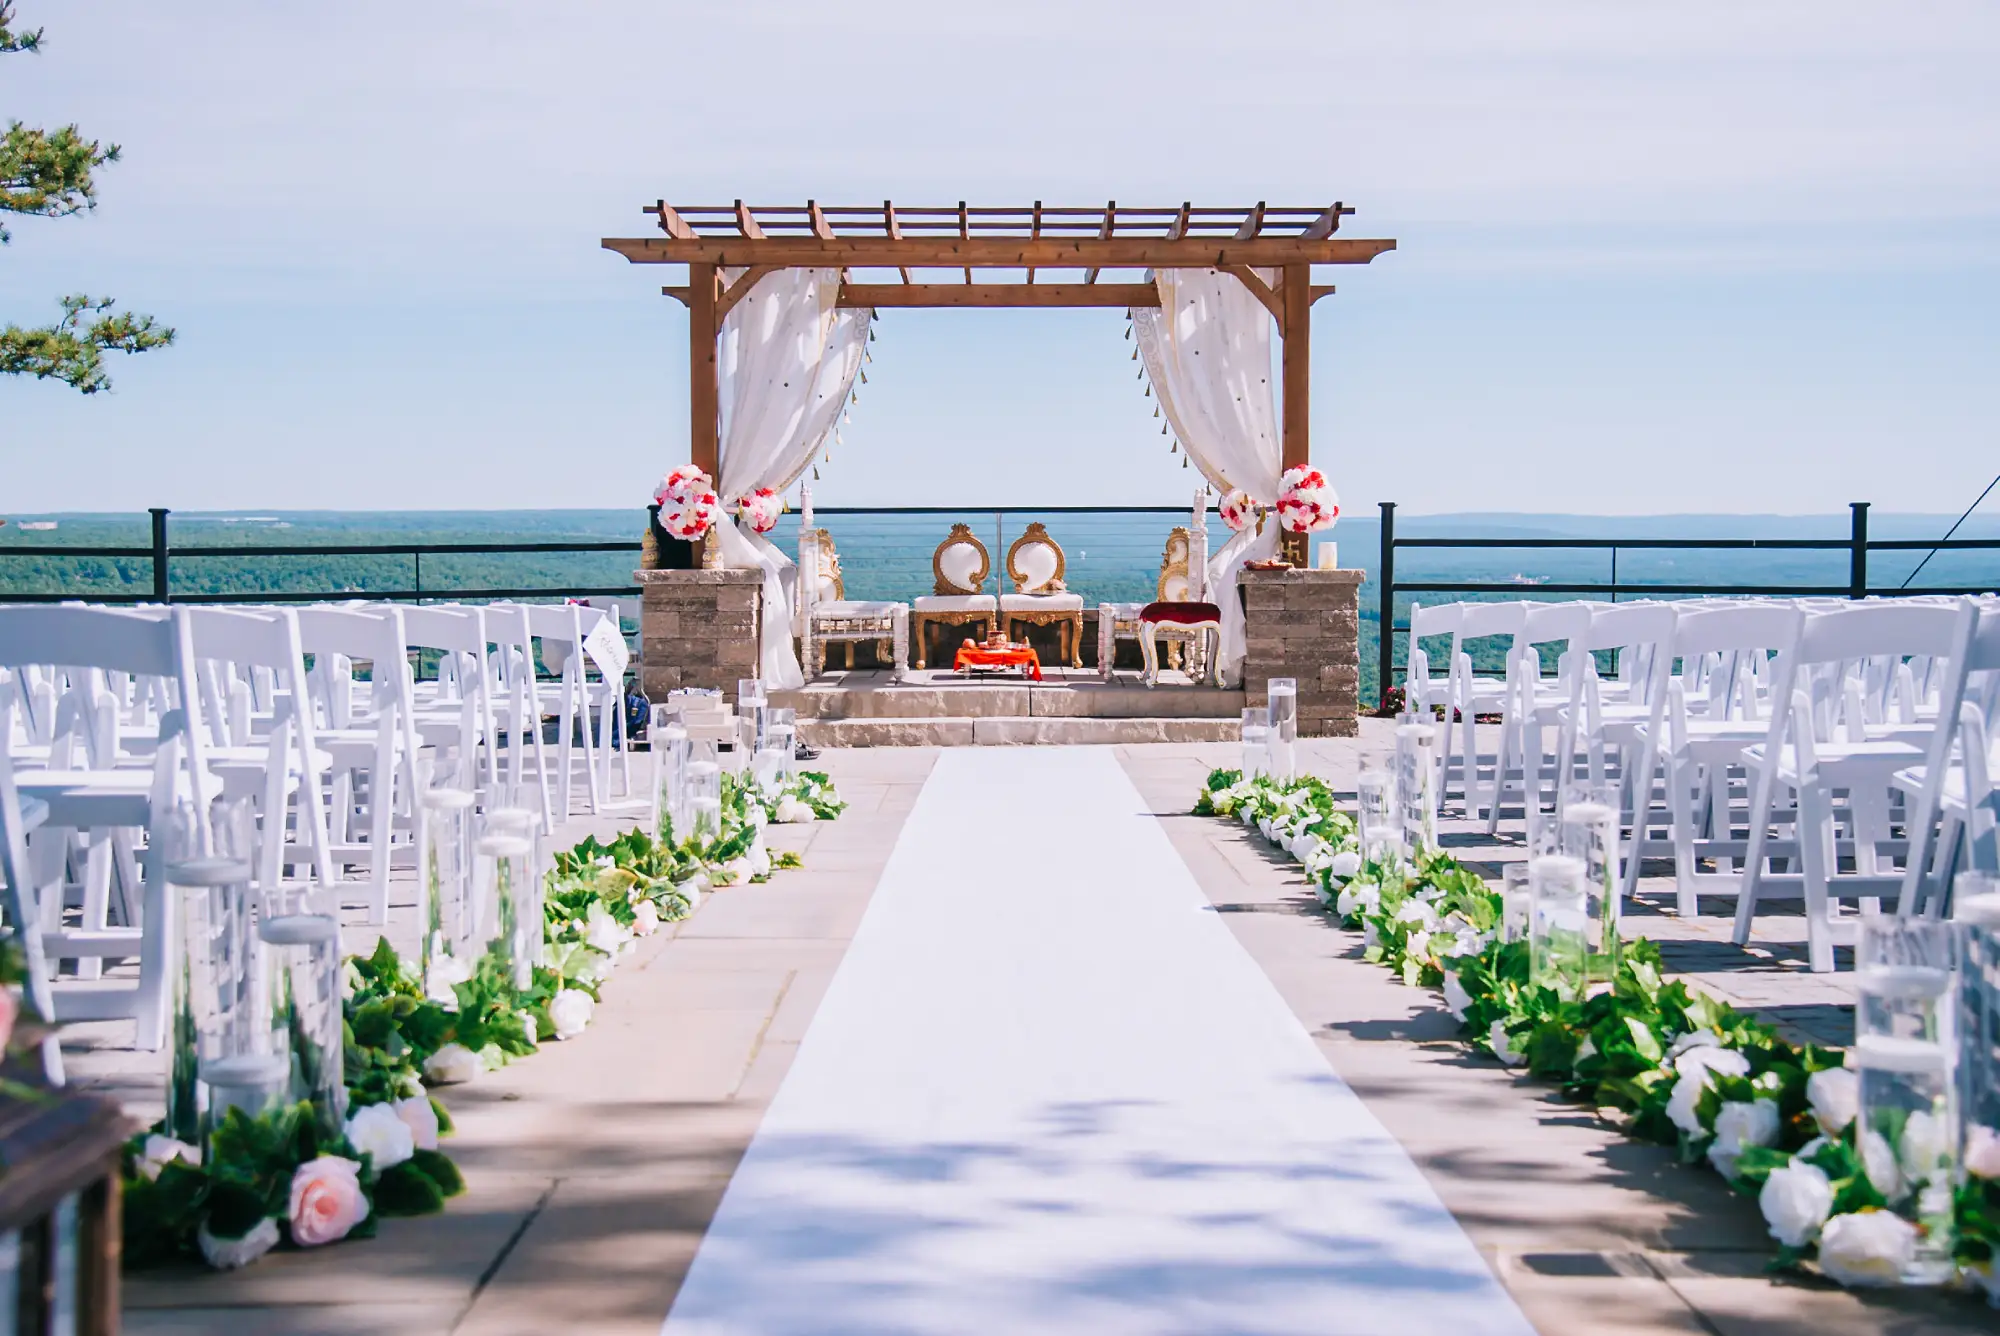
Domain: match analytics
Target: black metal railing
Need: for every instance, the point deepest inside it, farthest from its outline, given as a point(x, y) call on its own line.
point(163, 556)
point(1857, 545)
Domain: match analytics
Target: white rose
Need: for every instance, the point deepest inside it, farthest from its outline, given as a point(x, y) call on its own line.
point(1795, 1200)
point(1324, 896)
point(1370, 934)
point(452, 1064)
point(1867, 1248)
point(1587, 1050)
point(1418, 945)
point(793, 812)
point(1264, 826)
point(1496, 1038)
point(759, 859)
point(1721, 1061)
point(1835, 1096)
point(378, 1132)
point(1345, 864)
point(531, 1027)
point(1249, 816)
point(603, 932)
point(1456, 999)
point(570, 1011)
point(1344, 903)
point(1467, 942)
point(737, 872)
point(1416, 911)
point(445, 971)
point(1307, 848)
point(230, 1254)
point(1878, 1161)
point(159, 1151)
point(1739, 1125)
point(645, 918)
point(421, 1117)
point(1982, 1152)
point(1926, 1150)
point(1698, 1064)
point(1693, 1039)
point(1682, 1105)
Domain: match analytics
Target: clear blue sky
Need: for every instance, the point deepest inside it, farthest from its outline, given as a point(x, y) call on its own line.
point(1700, 257)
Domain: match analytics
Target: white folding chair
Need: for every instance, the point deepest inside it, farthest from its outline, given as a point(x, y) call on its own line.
point(1424, 693)
point(454, 713)
point(1952, 821)
point(1534, 705)
point(264, 643)
point(1818, 749)
point(368, 730)
point(151, 644)
point(1473, 695)
point(517, 703)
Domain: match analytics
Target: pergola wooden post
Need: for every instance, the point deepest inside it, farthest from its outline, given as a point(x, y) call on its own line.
point(892, 241)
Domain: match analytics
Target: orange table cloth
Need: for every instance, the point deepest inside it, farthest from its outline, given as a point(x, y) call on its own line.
point(1014, 656)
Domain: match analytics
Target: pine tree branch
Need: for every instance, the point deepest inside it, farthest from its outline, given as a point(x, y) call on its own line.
point(24, 40)
point(48, 175)
point(72, 350)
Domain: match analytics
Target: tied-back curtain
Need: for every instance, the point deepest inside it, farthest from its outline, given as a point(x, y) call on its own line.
point(786, 359)
point(1207, 351)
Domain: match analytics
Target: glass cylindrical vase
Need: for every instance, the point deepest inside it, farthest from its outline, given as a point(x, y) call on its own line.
point(1589, 834)
point(669, 745)
point(1256, 738)
point(510, 896)
point(1282, 693)
point(302, 951)
point(1906, 1051)
point(704, 800)
point(1416, 785)
point(450, 908)
point(1558, 924)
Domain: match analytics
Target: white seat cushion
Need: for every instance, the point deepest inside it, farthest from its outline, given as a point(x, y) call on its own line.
point(954, 603)
point(1041, 603)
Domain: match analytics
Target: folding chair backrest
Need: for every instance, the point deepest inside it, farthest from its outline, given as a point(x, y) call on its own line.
point(1865, 630)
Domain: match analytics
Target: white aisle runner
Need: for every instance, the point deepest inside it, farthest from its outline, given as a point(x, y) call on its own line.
point(1048, 1092)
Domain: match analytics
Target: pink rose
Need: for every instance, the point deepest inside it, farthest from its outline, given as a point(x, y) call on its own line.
point(326, 1201)
point(10, 1010)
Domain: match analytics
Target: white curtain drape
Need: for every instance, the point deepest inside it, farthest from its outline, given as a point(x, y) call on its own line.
point(786, 359)
point(1207, 351)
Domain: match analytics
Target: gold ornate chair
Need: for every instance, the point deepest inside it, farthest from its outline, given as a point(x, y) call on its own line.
point(828, 615)
point(960, 567)
point(1035, 564)
point(1120, 621)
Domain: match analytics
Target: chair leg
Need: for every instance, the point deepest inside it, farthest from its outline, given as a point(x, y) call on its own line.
point(1149, 650)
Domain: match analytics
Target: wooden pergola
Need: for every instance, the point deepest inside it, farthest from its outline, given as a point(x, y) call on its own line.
point(1050, 257)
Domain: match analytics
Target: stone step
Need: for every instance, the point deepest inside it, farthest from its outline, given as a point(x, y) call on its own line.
point(861, 697)
point(1011, 731)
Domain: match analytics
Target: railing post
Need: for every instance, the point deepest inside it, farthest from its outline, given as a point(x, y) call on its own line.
point(1857, 559)
point(162, 587)
point(1385, 601)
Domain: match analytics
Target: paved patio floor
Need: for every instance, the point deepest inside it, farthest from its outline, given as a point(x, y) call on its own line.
point(595, 1167)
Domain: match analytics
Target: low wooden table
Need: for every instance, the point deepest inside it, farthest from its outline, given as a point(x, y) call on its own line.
point(971, 656)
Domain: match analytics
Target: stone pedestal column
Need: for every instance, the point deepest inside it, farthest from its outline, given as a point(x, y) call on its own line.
point(698, 629)
point(1306, 625)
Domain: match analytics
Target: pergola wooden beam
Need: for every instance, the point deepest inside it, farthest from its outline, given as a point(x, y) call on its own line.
point(1018, 252)
point(1104, 233)
point(671, 222)
point(950, 295)
point(895, 231)
point(1034, 230)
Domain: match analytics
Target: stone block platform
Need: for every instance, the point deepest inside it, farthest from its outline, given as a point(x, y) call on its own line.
point(938, 708)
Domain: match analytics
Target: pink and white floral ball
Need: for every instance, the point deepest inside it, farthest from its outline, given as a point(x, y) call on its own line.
point(761, 509)
point(1238, 510)
point(1307, 502)
point(688, 504)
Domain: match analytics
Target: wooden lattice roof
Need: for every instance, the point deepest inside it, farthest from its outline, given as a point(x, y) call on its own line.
point(895, 236)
